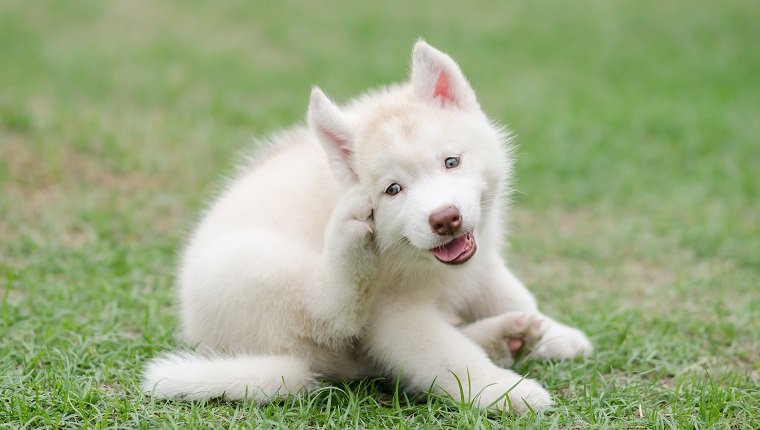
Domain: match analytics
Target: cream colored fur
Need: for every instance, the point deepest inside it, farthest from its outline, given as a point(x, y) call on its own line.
point(305, 268)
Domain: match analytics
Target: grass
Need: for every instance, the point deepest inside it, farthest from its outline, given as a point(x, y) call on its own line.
point(638, 216)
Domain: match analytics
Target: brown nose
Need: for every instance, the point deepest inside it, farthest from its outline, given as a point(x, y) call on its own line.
point(446, 221)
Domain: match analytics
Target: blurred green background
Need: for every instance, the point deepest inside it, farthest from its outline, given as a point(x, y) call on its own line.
point(637, 215)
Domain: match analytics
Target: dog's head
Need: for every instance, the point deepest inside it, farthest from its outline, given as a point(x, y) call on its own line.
point(434, 165)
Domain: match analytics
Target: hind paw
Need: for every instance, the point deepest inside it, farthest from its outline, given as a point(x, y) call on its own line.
point(352, 216)
point(351, 227)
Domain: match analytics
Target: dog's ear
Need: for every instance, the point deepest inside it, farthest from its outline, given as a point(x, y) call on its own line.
point(437, 78)
point(329, 125)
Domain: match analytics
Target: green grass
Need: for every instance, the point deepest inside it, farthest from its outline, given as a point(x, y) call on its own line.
point(637, 217)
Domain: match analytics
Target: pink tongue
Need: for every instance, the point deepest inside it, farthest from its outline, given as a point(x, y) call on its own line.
point(451, 250)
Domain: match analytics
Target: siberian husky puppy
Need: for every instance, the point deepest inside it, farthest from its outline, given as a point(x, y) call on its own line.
point(368, 243)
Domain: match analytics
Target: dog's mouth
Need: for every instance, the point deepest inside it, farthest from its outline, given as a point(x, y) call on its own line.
point(457, 251)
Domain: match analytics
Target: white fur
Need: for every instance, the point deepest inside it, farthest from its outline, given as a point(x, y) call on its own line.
point(193, 377)
point(305, 267)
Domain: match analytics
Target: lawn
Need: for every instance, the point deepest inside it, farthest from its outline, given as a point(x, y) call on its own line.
point(637, 216)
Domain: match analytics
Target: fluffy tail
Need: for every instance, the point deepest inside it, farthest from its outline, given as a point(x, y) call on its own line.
point(189, 376)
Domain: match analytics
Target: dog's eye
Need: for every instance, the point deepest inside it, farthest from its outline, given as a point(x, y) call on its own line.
point(393, 189)
point(451, 162)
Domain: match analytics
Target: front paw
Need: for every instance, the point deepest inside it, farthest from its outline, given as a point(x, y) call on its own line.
point(517, 394)
point(561, 342)
point(517, 334)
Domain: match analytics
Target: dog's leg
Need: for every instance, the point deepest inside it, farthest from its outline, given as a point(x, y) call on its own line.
point(501, 291)
point(412, 340)
point(349, 265)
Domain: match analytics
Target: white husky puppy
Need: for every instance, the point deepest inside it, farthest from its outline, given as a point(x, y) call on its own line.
point(368, 243)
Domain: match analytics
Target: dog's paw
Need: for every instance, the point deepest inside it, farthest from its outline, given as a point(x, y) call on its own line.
point(517, 334)
point(351, 224)
point(354, 210)
point(561, 342)
point(519, 395)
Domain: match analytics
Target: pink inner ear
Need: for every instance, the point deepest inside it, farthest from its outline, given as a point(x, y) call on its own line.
point(442, 88)
point(340, 142)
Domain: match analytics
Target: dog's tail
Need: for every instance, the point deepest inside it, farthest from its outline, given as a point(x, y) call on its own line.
point(189, 376)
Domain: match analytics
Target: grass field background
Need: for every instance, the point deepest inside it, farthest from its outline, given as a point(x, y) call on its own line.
point(637, 217)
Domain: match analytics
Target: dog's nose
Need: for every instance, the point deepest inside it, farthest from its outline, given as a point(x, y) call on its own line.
point(446, 221)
